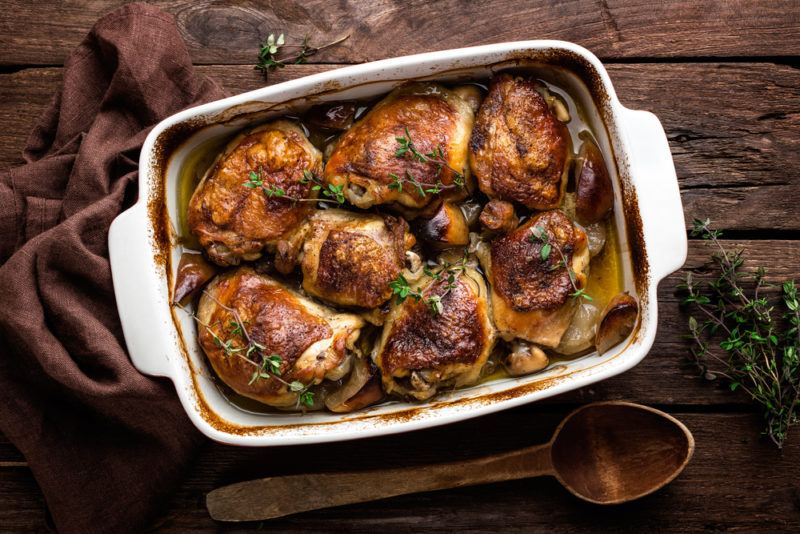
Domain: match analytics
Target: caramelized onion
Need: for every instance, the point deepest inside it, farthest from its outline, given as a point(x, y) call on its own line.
point(349, 397)
point(581, 332)
point(596, 235)
point(193, 273)
point(618, 320)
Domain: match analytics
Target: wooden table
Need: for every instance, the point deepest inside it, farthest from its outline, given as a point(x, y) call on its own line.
point(724, 78)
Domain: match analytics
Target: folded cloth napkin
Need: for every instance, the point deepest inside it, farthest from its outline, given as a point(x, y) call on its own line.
point(106, 444)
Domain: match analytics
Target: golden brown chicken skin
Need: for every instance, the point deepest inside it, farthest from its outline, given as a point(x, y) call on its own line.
point(519, 150)
point(421, 350)
point(245, 317)
point(531, 290)
point(365, 158)
point(349, 258)
point(234, 222)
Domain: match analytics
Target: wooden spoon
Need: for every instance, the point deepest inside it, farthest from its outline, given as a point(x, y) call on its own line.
point(604, 453)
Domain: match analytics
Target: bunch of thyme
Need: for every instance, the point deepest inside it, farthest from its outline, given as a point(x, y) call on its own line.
point(760, 343)
point(407, 149)
point(272, 47)
point(448, 271)
point(540, 235)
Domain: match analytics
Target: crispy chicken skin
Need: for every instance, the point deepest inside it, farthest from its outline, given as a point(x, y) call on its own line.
point(530, 295)
point(349, 258)
point(234, 222)
point(519, 150)
point(364, 156)
point(420, 351)
point(313, 342)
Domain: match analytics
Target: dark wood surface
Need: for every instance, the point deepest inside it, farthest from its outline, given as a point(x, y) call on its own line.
point(723, 77)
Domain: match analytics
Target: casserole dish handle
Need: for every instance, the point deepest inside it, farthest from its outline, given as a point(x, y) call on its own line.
point(660, 208)
point(137, 287)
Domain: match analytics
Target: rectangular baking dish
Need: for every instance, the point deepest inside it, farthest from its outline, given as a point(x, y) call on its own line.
point(144, 250)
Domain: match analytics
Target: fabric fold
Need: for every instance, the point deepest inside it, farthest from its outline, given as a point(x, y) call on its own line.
point(106, 444)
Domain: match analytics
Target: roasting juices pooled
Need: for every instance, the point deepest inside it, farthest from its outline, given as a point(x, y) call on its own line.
point(435, 238)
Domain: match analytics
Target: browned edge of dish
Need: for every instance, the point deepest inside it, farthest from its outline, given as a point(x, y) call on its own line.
point(174, 136)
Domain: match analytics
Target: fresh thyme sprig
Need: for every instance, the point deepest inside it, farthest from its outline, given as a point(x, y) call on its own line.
point(270, 364)
point(761, 345)
point(402, 290)
point(540, 235)
point(334, 194)
point(407, 149)
point(272, 47)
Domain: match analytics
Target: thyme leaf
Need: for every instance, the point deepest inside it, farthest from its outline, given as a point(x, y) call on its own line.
point(271, 52)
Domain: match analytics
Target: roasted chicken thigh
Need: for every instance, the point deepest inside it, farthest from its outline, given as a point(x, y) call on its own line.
point(530, 283)
point(232, 213)
point(424, 348)
point(519, 150)
point(349, 258)
point(365, 160)
point(261, 337)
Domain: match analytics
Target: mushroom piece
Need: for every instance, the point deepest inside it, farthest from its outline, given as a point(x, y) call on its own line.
point(617, 322)
point(525, 359)
point(333, 116)
point(447, 228)
point(594, 194)
point(193, 273)
point(498, 216)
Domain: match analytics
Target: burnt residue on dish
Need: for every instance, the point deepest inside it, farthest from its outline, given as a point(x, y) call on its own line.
point(163, 233)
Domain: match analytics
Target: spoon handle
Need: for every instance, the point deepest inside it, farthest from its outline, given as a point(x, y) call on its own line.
point(272, 497)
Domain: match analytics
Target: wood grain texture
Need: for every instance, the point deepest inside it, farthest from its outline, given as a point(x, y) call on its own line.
point(734, 482)
point(734, 129)
point(42, 33)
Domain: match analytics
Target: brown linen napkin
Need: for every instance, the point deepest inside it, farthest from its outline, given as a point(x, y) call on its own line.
point(106, 444)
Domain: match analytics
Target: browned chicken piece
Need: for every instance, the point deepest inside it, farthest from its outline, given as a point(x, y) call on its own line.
point(365, 156)
point(234, 222)
point(519, 149)
point(530, 288)
point(498, 216)
point(349, 258)
point(246, 320)
point(421, 350)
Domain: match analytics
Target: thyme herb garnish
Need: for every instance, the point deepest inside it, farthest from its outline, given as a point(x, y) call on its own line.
point(448, 271)
point(407, 149)
point(242, 346)
point(760, 343)
point(273, 47)
point(540, 235)
point(333, 194)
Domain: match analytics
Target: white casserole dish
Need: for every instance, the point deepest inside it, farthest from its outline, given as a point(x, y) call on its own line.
point(144, 250)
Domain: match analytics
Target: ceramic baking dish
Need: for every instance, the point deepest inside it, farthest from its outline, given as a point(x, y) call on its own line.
point(144, 249)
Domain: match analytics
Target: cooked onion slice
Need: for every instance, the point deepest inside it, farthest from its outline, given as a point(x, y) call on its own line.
point(580, 335)
point(361, 389)
point(618, 320)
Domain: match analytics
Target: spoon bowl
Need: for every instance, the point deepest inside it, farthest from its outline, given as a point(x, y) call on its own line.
point(614, 452)
point(604, 453)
